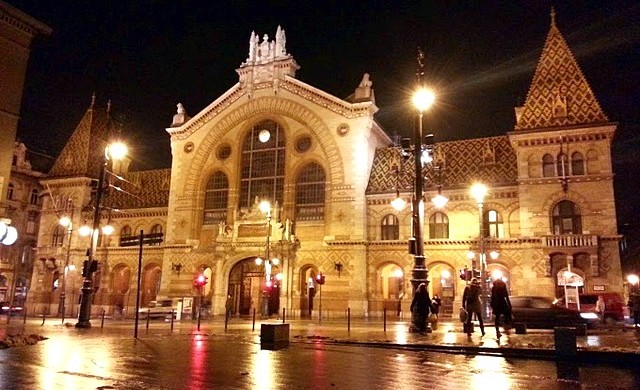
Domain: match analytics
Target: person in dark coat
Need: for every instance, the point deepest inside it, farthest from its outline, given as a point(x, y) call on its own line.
point(471, 303)
point(420, 306)
point(436, 302)
point(500, 305)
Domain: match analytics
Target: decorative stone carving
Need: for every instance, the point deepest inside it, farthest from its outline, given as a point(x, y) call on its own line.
point(180, 117)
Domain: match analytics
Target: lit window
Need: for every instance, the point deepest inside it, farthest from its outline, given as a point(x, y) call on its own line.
point(492, 226)
point(310, 193)
point(216, 199)
point(262, 164)
point(438, 225)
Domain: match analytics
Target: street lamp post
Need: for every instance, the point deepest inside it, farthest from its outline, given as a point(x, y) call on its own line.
point(115, 151)
point(268, 262)
point(422, 100)
point(67, 222)
point(479, 191)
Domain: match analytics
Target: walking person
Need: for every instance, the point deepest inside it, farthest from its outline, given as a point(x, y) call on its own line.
point(420, 306)
point(228, 307)
point(600, 307)
point(634, 308)
point(500, 305)
point(471, 303)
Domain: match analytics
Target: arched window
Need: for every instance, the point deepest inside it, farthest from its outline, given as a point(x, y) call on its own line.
point(125, 232)
point(310, 193)
point(563, 165)
point(577, 164)
point(390, 227)
point(262, 165)
point(438, 225)
point(566, 218)
point(34, 196)
point(58, 235)
point(492, 226)
point(155, 229)
point(216, 199)
point(10, 189)
point(548, 166)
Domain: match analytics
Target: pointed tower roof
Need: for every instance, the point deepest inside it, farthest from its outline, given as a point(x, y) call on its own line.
point(82, 154)
point(559, 94)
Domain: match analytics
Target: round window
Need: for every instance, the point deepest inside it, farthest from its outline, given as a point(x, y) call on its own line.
point(188, 147)
point(224, 151)
point(303, 143)
point(343, 129)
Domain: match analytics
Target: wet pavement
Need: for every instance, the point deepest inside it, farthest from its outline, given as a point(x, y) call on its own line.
point(319, 356)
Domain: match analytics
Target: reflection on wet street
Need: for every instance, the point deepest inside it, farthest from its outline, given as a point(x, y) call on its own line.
point(72, 359)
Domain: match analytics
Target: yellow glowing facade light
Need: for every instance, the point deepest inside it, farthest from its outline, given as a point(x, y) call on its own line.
point(398, 204)
point(116, 151)
point(108, 230)
point(265, 206)
point(439, 201)
point(84, 230)
point(65, 221)
point(258, 261)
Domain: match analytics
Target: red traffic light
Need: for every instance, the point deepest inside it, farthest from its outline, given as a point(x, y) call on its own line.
point(320, 278)
point(200, 280)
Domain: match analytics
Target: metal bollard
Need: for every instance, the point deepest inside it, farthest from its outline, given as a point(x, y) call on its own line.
point(148, 318)
point(199, 315)
point(102, 321)
point(284, 312)
point(348, 319)
point(44, 316)
point(226, 320)
point(253, 327)
point(384, 319)
point(171, 320)
point(24, 320)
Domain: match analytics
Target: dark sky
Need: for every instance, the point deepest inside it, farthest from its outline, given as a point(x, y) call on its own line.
point(146, 56)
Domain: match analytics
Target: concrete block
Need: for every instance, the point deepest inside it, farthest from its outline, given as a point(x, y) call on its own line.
point(274, 333)
point(521, 328)
point(565, 341)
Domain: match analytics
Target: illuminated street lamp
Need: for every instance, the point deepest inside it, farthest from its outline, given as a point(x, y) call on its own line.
point(479, 192)
point(114, 151)
point(422, 99)
point(8, 234)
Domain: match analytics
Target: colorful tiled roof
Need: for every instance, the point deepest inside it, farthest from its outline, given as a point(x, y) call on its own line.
point(559, 94)
point(143, 189)
point(82, 154)
point(490, 160)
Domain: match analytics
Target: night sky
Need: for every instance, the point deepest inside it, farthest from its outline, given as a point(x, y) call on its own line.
point(146, 56)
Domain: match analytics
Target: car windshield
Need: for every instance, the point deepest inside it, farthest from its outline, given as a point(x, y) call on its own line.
point(541, 303)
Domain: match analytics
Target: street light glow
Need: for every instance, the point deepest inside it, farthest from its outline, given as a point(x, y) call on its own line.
point(633, 279)
point(65, 221)
point(108, 230)
point(265, 206)
point(258, 261)
point(439, 201)
point(84, 230)
point(398, 204)
point(479, 191)
point(116, 151)
point(423, 98)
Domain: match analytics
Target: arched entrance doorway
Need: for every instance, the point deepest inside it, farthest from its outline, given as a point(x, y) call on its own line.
point(150, 283)
point(120, 282)
point(499, 271)
point(390, 287)
point(248, 289)
point(442, 284)
point(307, 289)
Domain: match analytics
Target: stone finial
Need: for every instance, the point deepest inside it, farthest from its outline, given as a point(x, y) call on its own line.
point(553, 16)
point(364, 91)
point(180, 117)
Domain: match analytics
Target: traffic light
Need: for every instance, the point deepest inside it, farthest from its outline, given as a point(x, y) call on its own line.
point(200, 280)
point(320, 278)
point(465, 274)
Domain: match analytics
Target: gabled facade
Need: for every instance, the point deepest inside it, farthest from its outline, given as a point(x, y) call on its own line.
point(330, 173)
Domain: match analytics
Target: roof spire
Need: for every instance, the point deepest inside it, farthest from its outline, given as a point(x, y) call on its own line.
point(93, 99)
point(109, 107)
point(553, 16)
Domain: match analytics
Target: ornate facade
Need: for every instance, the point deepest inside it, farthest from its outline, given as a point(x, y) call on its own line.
point(330, 173)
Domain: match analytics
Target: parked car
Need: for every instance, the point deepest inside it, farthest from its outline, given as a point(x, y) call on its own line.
point(613, 305)
point(163, 308)
point(543, 312)
point(7, 309)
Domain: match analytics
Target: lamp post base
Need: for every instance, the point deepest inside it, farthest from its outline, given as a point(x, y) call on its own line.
point(84, 316)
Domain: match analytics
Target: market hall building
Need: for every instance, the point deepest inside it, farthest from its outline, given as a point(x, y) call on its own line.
point(330, 173)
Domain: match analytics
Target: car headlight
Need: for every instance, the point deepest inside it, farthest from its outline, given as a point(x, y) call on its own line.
point(589, 316)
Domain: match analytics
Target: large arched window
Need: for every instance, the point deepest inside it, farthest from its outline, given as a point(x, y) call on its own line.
point(216, 199)
point(563, 165)
point(438, 225)
point(566, 218)
point(58, 235)
point(125, 232)
point(156, 229)
point(262, 165)
point(547, 166)
point(310, 193)
point(577, 164)
point(390, 228)
point(492, 226)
